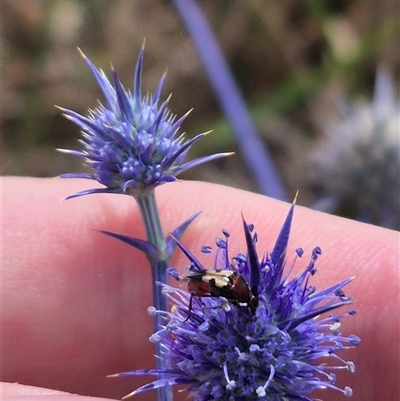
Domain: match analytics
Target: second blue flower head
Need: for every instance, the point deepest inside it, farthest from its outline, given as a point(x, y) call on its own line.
point(132, 142)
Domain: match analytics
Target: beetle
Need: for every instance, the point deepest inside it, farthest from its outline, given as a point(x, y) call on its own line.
point(220, 283)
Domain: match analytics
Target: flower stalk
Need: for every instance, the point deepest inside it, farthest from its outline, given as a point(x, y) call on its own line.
point(254, 151)
point(152, 223)
point(155, 235)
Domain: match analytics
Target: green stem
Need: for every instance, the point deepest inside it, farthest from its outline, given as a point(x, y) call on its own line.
point(151, 218)
point(155, 235)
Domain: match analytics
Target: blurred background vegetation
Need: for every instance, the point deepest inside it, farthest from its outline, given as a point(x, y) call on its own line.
point(291, 58)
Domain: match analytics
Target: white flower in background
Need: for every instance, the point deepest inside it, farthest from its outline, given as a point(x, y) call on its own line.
point(356, 169)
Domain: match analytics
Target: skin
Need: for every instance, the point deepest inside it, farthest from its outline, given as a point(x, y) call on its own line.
point(74, 301)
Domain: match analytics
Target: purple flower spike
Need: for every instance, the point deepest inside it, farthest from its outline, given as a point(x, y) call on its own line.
point(281, 344)
point(131, 142)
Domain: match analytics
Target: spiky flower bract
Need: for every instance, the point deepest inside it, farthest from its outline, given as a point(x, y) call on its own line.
point(281, 350)
point(131, 142)
point(355, 170)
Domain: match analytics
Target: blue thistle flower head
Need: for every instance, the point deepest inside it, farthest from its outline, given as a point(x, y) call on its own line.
point(131, 142)
point(355, 169)
point(280, 344)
